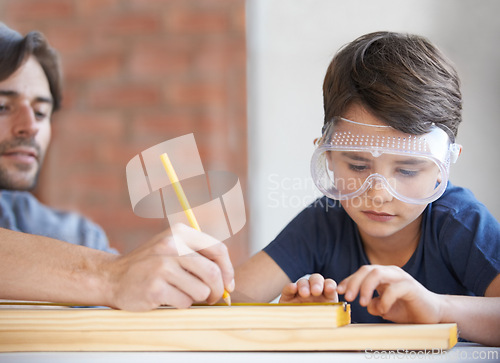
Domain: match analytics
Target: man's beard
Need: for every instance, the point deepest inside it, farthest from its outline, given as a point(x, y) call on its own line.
point(8, 179)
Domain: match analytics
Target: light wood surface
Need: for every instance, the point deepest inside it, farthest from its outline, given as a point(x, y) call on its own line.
point(238, 316)
point(238, 328)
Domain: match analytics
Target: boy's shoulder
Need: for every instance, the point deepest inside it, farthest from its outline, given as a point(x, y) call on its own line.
point(457, 199)
point(459, 205)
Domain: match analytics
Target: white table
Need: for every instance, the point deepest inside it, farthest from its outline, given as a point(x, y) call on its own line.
point(462, 352)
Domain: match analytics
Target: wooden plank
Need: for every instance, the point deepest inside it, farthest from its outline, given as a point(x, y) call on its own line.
point(354, 337)
point(244, 327)
point(239, 316)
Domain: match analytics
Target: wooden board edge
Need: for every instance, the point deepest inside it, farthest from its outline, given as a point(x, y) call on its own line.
point(356, 337)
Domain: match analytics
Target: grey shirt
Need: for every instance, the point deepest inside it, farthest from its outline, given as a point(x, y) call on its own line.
point(21, 211)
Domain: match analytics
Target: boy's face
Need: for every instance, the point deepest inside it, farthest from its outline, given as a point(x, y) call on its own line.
point(377, 212)
point(25, 111)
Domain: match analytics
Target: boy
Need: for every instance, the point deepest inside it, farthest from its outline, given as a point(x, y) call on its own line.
point(403, 244)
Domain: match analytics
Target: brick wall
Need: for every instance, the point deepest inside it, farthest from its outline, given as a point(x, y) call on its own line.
point(138, 72)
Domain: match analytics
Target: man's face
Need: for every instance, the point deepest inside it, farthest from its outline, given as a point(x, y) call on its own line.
point(25, 111)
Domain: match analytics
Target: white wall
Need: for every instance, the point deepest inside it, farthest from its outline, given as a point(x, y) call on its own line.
point(290, 44)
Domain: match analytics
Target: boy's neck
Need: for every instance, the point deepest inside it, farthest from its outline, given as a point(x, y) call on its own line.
point(396, 249)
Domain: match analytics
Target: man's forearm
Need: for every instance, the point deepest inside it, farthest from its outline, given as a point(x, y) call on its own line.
point(40, 268)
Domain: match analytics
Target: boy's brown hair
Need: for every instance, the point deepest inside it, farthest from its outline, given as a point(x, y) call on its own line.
point(401, 79)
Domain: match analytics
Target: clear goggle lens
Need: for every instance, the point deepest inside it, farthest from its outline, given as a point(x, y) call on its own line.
point(352, 159)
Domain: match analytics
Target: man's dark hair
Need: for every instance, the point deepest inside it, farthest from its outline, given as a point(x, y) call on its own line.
point(15, 50)
point(401, 79)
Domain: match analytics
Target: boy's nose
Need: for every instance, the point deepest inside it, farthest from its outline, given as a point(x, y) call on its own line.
point(378, 191)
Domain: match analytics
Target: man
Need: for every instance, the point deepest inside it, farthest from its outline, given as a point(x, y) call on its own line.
point(37, 262)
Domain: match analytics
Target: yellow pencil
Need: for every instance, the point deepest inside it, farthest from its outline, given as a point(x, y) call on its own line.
point(172, 175)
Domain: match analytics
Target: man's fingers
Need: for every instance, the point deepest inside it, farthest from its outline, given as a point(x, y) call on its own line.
point(173, 296)
point(208, 247)
point(188, 283)
point(206, 271)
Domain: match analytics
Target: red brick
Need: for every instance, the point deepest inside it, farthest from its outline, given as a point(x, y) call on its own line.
point(94, 66)
point(73, 39)
point(159, 58)
point(91, 8)
point(196, 94)
point(139, 72)
point(149, 5)
point(108, 126)
point(130, 24)
point(125, 96)
point(202, 22)
point(238, 18)
point(46, 10)
point(166, 125)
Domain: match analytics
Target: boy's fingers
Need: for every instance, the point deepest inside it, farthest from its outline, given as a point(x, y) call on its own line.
point(316, 284)
point(330, 290)
point(350, 285)
point(383, 304)
point(303, 288)
point(289, 289)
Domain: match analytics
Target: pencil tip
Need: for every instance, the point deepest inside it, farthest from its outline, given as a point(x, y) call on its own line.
point(227, 299)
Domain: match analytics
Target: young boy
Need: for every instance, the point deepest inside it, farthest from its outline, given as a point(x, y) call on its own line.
point(403, 243)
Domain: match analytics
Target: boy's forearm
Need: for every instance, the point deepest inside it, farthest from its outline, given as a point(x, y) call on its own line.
point(40, 268)
point(478, 318)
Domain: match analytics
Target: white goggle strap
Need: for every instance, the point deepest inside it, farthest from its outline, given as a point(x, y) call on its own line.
point(455, 150)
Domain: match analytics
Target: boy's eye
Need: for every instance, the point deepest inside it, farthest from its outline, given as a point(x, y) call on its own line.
point(358, 168)
point(406, 172)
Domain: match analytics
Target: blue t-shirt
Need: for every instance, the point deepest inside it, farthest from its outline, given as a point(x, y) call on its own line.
point(21, 211)
point(458, 252)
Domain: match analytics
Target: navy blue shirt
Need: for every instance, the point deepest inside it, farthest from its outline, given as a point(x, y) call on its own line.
point(458, 252)
point(21, 211)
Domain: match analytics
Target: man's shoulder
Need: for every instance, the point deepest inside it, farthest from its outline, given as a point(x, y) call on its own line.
point(27, 214)
point(25, 203)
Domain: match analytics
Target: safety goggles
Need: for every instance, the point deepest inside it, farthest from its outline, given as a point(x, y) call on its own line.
point(352, 158)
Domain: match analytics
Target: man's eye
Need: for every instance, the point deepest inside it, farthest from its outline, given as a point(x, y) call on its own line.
point(3, 108)
point(40, 115)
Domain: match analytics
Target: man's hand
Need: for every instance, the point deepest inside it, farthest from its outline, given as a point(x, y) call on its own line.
point(401, 298)
point(314, 289)
point(155, 274)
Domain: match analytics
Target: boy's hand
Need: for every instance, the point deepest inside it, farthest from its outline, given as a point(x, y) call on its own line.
point(402, 299)
point(314, 289)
